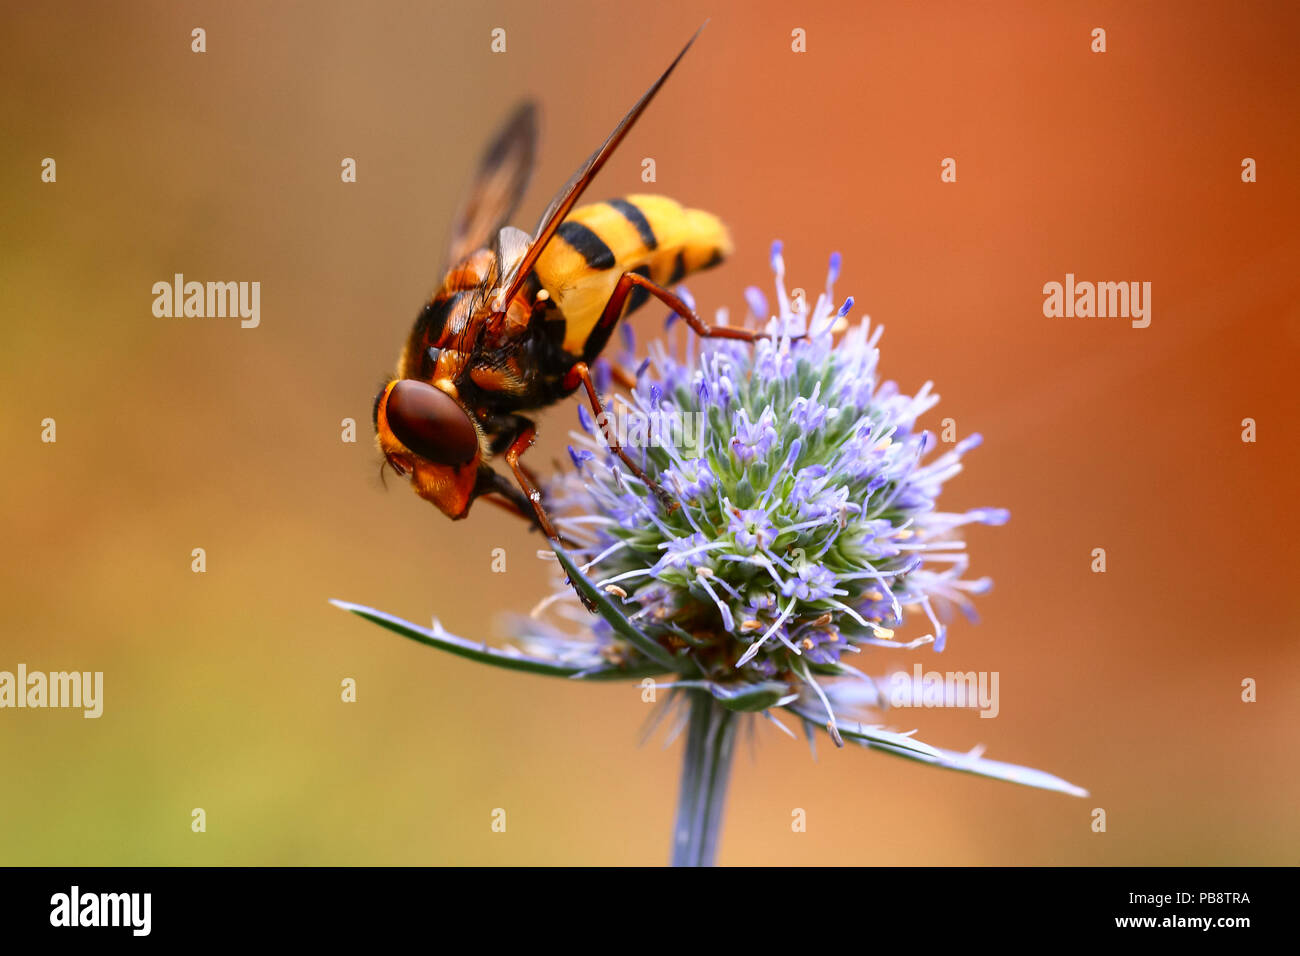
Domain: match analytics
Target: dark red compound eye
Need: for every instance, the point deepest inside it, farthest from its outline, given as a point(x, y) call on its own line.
point(430, 423)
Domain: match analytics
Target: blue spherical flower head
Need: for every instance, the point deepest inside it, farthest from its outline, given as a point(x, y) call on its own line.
point(807, 525)
point(788, 527)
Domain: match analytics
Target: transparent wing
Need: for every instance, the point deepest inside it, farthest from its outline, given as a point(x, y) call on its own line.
point(567, 197)
point(498, 185)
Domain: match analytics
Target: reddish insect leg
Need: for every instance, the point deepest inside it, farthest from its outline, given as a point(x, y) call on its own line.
point(522, 442)
point(580, 373)
point(633, 280)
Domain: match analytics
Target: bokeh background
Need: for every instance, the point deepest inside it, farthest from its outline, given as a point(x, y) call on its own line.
point(222, 689)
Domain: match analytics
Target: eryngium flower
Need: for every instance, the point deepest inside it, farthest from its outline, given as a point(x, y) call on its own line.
point(808, 523)
point(799, 529)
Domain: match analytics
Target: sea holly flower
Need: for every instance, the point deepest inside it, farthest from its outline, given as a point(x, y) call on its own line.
point(752, 439)
point(806, 533)
point(751, 528)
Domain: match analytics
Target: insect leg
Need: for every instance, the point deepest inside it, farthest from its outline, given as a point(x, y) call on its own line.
point(505, 427)
point(522, 442)
point(580, 373)
point(509, 499)
point(633, 280)
point(508, 504)
point(498, 490)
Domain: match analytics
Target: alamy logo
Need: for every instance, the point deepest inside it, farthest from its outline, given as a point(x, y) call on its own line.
point(1102, 300)
point(633, 428)
point(102, 909)
point(210, 300)
point(923, 688)
point(84, 689)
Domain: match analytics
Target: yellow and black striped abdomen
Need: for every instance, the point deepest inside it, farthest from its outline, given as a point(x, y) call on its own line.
point(653, 235)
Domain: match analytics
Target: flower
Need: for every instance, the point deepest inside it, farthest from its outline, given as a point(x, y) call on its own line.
point(804, 530)
point(807, 500)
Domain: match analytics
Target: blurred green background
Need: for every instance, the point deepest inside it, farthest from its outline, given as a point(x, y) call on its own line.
point(222, 689)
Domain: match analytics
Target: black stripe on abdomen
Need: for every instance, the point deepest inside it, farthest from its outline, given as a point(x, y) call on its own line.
point(636, 298)
point(587, 244)
point(637, 218)
point(679, 269)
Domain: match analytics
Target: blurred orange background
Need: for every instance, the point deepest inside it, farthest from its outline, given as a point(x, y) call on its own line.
point(222, 689)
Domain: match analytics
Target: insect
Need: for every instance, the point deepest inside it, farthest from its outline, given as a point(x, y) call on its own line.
point(518, 319)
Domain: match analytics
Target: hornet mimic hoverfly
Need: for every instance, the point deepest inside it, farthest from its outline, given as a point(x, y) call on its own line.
point(518, 319)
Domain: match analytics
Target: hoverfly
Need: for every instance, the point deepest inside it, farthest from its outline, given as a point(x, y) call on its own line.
point(518, 319)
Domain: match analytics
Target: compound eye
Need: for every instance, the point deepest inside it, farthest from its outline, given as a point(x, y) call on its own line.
point(429, 422)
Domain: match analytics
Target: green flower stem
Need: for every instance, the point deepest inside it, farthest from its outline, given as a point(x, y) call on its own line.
point(706, 768)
